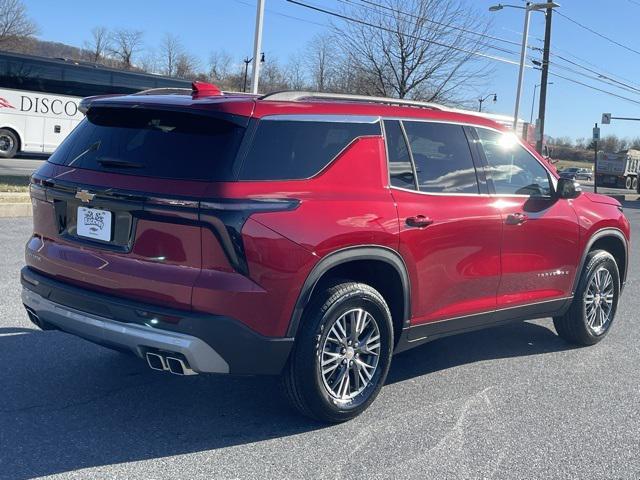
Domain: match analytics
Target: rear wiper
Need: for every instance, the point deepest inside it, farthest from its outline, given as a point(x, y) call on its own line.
point(114, 163)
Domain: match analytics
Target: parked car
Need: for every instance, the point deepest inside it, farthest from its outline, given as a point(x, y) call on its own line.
point(577, 173)
point(309, 236)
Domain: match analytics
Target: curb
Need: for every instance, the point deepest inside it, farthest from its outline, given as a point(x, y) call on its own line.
point(625, 198)
point(10, 210)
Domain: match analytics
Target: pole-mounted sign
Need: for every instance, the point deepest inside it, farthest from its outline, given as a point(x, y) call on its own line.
point(606, 118)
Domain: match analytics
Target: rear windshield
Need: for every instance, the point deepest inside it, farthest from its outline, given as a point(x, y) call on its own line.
point(152, 143)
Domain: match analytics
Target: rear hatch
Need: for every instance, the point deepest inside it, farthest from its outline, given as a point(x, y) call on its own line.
point(116, 207)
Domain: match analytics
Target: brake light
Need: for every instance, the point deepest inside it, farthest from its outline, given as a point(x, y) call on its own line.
point(204, 89)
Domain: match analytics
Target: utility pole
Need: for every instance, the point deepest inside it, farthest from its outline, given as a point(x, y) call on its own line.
point(246, 61)
point(543, 80)
point(596, 137)
point(257, 46)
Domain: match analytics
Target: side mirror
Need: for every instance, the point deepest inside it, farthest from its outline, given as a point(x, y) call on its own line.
point(568, 188)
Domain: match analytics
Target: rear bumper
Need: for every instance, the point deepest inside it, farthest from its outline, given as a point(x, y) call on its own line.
point(210, 343)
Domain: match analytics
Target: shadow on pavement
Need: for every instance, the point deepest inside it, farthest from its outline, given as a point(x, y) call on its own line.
point(66, 404)
point(514, 340)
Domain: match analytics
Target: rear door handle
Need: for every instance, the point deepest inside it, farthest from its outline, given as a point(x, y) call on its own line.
point(419, 221)
point(516, 219)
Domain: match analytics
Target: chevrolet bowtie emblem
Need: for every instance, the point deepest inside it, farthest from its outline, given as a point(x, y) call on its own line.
point(85, 196)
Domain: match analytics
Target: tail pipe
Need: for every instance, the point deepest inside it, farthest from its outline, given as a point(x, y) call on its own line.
point(169, 361)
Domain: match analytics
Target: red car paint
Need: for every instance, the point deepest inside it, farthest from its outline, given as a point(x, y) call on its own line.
point(466, 261)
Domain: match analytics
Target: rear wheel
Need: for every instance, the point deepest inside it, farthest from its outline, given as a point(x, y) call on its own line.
point(628, 182)
point(634, 186)
point(342, 353)
point(8, 143)
point(591, 314)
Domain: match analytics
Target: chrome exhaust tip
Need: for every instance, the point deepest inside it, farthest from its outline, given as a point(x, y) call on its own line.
point(177, 366)
point(156, 362)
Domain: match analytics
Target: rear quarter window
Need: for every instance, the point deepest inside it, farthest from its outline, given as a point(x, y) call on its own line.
point(299, 149)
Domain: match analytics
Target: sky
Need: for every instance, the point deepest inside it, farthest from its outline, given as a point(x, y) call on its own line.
point(209, 25)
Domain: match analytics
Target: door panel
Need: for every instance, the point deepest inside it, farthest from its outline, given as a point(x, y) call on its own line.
point(449, 228)
point(539, 255)
point(455, 261)
point(540, 234)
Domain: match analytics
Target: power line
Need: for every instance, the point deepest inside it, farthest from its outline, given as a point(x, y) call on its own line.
point(490, 57)
point(449, 25)
point(600, 76)
point(595, 32)
point(380, 27)
point(595, 88)
point(275, 12)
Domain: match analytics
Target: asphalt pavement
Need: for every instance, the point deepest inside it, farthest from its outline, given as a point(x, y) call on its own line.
point(513, 402)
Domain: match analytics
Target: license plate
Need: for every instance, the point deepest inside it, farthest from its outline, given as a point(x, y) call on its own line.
point(94, 223)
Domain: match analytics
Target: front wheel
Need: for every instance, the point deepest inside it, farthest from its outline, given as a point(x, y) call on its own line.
point(8, 143)
point(591, 314)
point(342, 353)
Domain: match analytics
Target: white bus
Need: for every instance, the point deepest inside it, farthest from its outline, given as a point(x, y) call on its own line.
point(39, 98)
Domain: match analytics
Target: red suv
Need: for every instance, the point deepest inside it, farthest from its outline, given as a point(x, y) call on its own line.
point(308, 235)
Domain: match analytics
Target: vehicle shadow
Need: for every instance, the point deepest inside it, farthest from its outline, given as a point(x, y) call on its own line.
point(66, 404)
point(513, 340)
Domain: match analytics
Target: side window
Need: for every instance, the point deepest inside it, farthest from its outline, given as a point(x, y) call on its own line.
point(400, 167)
point(296, 149)
point(442, 157)
point(512, 169)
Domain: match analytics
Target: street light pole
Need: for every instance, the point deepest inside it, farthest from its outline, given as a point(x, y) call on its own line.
point(257, 45)
point(523, 53)
point(543, 80)
point(483, 99)
point(528, 8)
point(534, 100)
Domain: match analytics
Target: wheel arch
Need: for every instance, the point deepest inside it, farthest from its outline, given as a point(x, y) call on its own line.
point(359, 262)
point(613, 241)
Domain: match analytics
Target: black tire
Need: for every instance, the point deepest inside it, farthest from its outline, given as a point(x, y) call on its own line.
point(8, 143)
point(304, 383)
point(574, 326)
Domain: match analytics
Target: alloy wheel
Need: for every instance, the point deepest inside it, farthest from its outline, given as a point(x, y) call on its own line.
point(350, 353)
point(599, 301)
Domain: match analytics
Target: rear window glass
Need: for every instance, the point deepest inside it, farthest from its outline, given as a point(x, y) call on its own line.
point(290, 150)
point(152, 143)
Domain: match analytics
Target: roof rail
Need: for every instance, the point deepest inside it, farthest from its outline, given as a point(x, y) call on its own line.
point(295, 96)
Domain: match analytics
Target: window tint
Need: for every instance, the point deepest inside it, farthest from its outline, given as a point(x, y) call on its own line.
point(400, 168)
point(289, 150)
point(512, 169)
point(442, 157)
point(152, 143)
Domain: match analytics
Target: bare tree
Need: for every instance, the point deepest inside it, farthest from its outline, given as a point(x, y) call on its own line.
point(186, 66)
point(220, 67)
point(99, 44)
point(295, 72)
point(170, 51)
point(321, 59)
point(126, 44)
point(272, 76)
point(14, 23)
point(414, 48)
